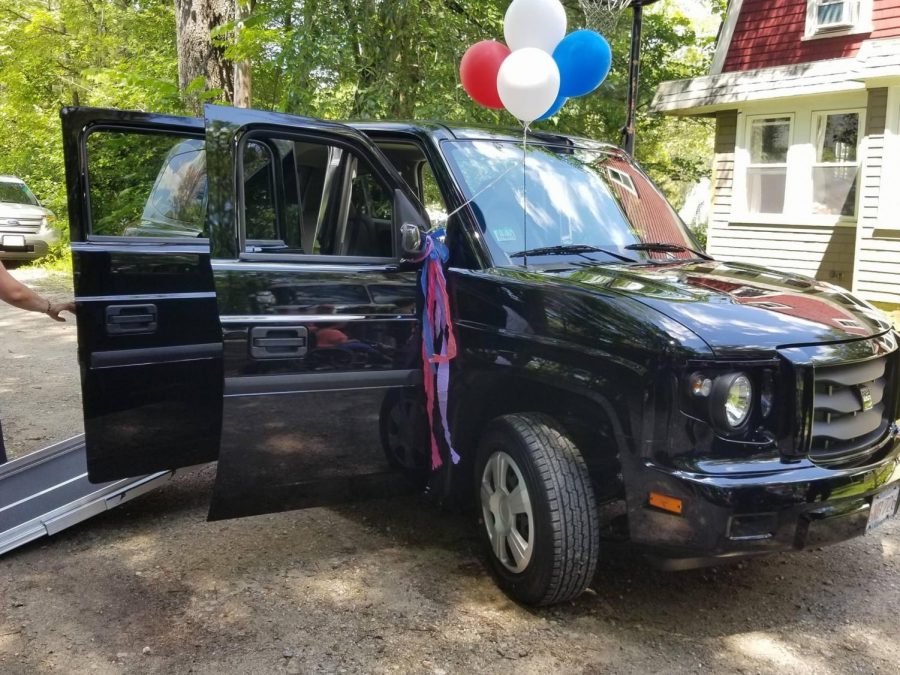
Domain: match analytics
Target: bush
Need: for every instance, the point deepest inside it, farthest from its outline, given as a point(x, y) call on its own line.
point(59, 258)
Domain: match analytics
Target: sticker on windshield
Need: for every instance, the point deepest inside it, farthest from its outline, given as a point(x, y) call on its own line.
point(505, 234)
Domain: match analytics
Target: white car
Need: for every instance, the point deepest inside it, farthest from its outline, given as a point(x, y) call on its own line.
point(26, 230)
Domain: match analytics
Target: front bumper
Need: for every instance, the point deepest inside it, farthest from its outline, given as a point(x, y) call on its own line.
point(37, 245)
point(727, 516)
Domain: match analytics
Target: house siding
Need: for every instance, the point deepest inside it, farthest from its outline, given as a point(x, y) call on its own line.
point(825, 253)
point(770, 33)
point(723, 175)
point(878, 250)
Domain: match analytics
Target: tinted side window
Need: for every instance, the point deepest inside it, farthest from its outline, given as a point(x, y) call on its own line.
point(370, 216)
point(259, 192)
point(144, 184)
point(320, 199)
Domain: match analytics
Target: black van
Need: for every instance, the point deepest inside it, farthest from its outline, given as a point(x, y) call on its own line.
point(245, 295)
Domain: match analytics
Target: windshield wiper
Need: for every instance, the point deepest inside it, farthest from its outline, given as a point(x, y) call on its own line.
point(665, 247)
point(571, 249)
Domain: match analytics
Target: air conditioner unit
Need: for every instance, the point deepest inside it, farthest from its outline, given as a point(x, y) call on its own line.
point(834, 16)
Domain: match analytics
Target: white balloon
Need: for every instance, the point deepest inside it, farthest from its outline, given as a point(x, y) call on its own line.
point(535, 23)
point(528, 83)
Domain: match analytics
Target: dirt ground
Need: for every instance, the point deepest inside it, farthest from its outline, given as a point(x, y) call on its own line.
point(390, 586)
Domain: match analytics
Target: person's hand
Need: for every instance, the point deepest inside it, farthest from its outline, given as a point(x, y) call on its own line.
point(56, 307)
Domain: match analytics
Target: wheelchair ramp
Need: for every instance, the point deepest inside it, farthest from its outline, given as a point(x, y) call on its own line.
point(47, 491)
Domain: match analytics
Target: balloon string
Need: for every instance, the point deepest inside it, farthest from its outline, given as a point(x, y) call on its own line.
point(525, 192)
point(481, 191)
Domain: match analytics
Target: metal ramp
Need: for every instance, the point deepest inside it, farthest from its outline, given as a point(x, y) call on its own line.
point(47, 491)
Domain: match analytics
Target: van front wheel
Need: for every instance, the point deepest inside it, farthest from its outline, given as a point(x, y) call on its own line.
point(538, 513)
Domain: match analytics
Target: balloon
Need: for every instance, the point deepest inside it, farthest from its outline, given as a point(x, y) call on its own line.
point(528, 83)
point(555, 108)
point(535, 23)
point(478, 72)
point(584, 58)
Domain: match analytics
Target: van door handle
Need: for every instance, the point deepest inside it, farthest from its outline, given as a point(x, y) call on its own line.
point(131, 319)
point(282, 342)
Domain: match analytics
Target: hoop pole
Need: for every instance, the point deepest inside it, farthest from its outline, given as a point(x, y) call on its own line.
point(637, 10)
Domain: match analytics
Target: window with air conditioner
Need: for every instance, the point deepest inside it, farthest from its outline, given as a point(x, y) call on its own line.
point(826, 18)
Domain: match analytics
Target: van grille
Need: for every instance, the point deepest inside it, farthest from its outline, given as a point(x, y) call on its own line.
point(20, 224)
point(849, 411)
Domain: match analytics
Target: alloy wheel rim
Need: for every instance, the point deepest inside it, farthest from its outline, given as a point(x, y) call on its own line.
point(508, 515)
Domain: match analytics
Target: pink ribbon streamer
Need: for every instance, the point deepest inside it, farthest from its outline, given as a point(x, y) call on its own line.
point(437, 325)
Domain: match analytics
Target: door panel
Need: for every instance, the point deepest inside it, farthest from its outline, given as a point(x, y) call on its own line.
point(296, 450)
point(311, 269)
point(149, 338)
point(304, 429)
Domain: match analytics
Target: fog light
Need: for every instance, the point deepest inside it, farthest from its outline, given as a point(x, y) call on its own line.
point(756, 526)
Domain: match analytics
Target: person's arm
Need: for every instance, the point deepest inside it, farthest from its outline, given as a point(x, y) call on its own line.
point(19, 295)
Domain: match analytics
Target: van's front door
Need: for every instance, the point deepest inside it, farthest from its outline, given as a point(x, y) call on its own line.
point(318, 314)
point(149, 338)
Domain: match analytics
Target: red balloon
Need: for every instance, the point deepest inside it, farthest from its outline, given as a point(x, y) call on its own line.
point(478, 72)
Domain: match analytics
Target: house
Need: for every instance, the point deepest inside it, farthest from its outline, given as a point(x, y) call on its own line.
point(806, 176)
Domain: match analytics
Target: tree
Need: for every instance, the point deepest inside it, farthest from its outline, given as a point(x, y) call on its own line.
point(243, 87)
point(335, 59)
point(56, 53)
point(202, 64)
point(375, 59)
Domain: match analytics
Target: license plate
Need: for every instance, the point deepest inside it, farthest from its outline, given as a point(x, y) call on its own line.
point(14, 240)
point(883, 507)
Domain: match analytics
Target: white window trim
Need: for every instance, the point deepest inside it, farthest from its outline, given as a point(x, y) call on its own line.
point(860, 150)
point(860, 20)
point(889, 200)
point(622, 179)
point(743, 162)
point(801, 158)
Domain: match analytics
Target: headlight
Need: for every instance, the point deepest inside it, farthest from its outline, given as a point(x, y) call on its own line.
point(731, 401)
point(47, 221)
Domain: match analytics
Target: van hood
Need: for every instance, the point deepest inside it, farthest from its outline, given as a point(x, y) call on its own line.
point(741, 310)
point(14, 211)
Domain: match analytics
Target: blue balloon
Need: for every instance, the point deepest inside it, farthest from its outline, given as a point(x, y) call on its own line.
point(584, 59)
point(555, 108)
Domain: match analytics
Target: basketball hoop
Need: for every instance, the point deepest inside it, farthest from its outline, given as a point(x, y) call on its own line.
point(603, 16)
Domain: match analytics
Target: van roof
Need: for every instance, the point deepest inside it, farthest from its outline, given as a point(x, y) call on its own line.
point(474, 132)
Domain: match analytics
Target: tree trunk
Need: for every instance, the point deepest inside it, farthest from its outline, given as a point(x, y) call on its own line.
point(197, 56)
point(243, 88)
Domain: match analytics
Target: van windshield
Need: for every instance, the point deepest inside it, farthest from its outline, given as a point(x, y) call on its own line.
point(16, 193)
point(577, 198)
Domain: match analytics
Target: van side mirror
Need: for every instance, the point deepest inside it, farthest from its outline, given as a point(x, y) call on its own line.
point(413, 225)
point(410, 240)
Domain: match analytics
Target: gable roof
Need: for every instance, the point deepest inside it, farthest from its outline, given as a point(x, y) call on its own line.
point(726, 32)
point(876, 59)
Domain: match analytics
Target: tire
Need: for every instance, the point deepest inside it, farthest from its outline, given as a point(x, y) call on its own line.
point(545, 552)
point(404, 434)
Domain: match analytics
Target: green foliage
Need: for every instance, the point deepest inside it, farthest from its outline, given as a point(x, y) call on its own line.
point(338, 59)
point(373, 59)
point(57, 53)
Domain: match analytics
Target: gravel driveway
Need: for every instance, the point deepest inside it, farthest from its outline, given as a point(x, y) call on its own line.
point(389, 586)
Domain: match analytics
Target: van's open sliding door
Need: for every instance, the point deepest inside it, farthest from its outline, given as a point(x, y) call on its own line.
point(149, 338)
